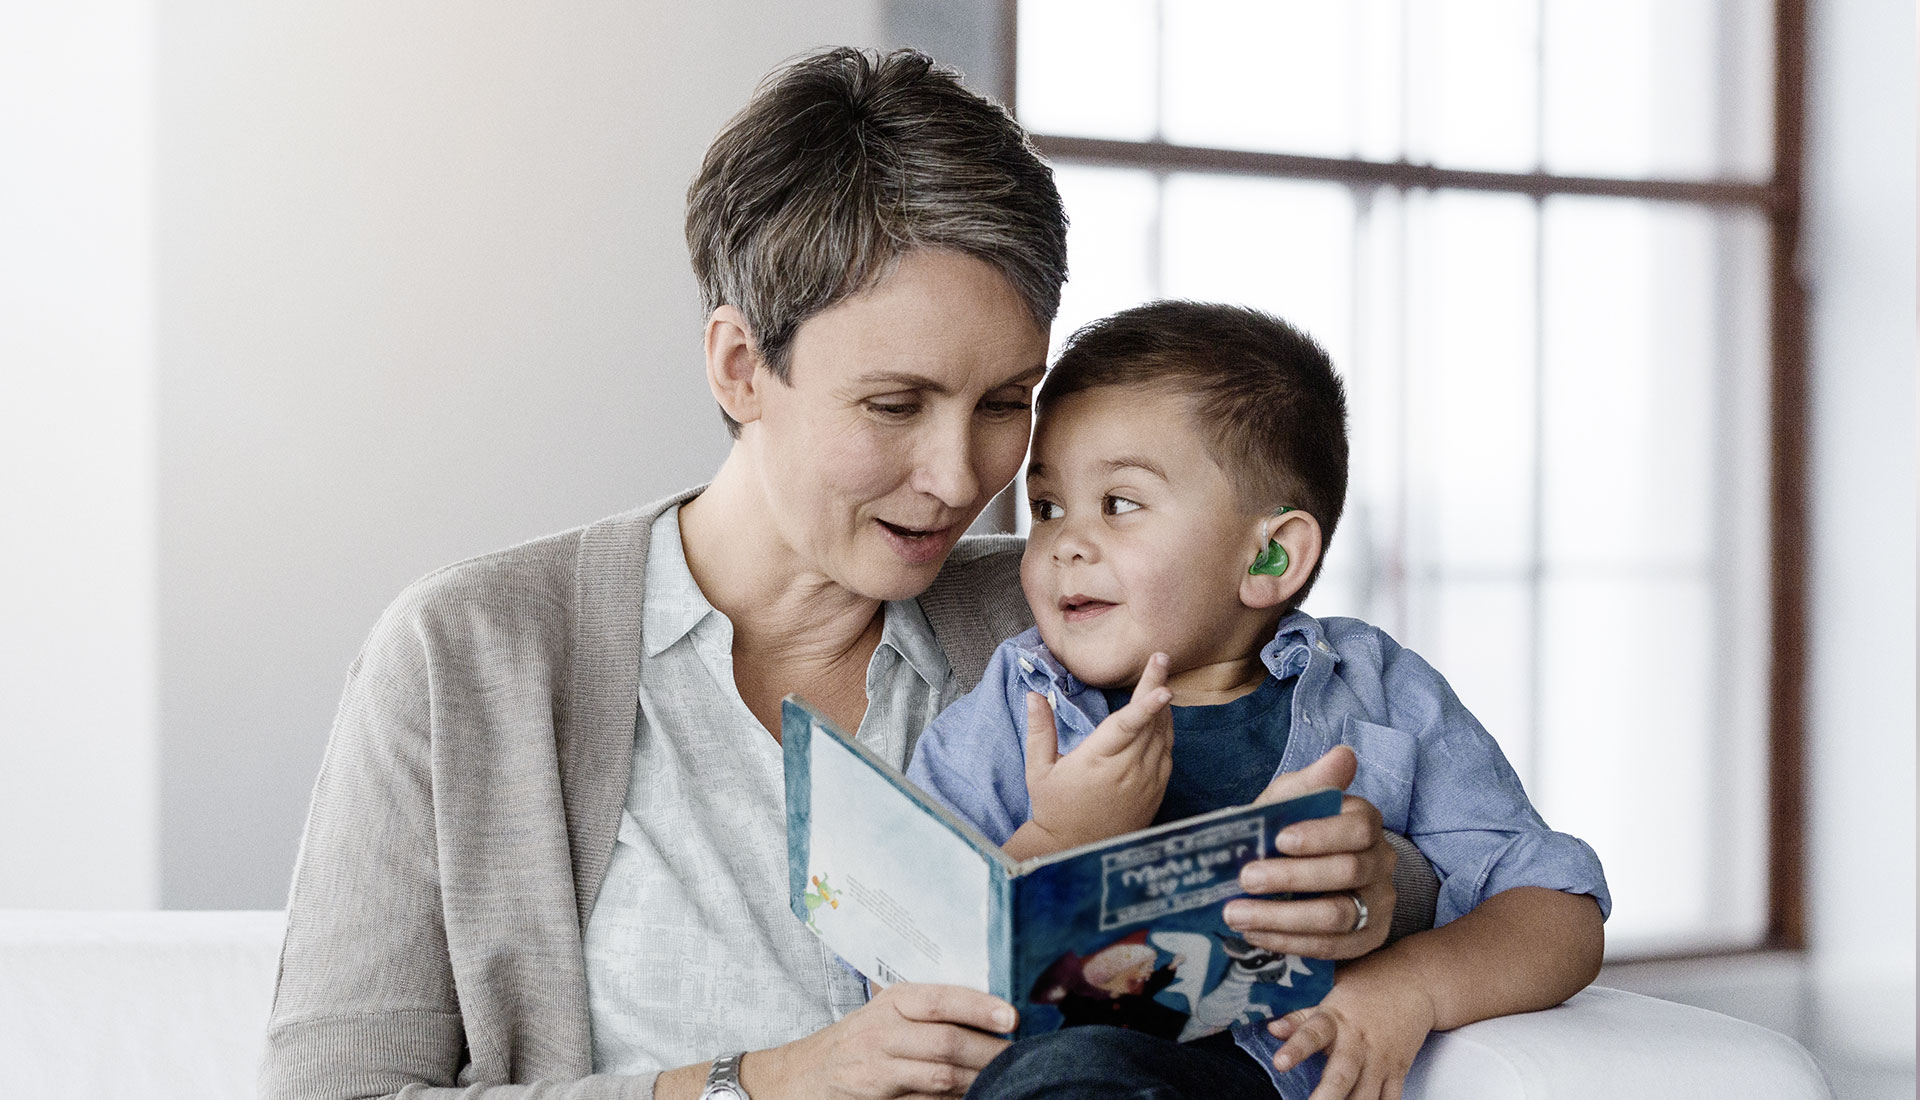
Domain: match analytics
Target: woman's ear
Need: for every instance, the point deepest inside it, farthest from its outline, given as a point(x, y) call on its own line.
point(732, 364)
point(1286, 547)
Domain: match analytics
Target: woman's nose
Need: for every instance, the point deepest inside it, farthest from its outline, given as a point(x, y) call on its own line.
point(944, 469)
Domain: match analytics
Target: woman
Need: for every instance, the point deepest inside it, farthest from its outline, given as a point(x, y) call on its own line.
point(547, 843)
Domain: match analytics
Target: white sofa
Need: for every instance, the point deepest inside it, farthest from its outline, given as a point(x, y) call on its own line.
point(158, 1005)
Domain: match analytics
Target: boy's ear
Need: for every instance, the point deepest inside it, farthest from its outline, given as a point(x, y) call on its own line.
point(1297, 535)
point(732, 364)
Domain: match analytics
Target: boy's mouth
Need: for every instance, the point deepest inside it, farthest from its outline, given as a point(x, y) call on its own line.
point(1078, 608)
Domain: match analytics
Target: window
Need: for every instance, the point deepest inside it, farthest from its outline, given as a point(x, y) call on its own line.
point(1543, 242)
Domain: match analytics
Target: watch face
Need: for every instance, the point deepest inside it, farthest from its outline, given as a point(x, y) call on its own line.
point(723, 1090)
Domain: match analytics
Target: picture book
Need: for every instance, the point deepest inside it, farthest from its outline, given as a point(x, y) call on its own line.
point(1126, 932)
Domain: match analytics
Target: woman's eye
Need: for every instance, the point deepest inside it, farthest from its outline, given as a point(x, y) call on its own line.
point(1011, 405)
point(1043, 510)
point(1116, 506)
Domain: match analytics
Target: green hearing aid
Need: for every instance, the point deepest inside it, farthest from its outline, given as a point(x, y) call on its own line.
point(1271, 561)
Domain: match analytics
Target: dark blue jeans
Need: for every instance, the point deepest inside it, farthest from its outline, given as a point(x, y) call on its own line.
point(1107, 1063)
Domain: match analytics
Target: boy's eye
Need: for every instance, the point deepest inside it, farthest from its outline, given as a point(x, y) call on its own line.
point(1116, 506)
point(1043, 510)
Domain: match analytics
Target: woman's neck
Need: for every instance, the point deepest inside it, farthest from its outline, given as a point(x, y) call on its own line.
point(793, 626)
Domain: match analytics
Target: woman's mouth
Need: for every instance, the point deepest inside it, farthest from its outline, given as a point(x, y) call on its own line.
point(917, 545)
point(1076, 609)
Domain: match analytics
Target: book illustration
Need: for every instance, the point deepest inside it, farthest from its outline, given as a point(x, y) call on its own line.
point(1127, 932)
point(1118, 985)
point(821, 894)
point(1232, 1000)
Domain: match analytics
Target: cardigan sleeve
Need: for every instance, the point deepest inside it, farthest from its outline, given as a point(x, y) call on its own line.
point(366, 1003)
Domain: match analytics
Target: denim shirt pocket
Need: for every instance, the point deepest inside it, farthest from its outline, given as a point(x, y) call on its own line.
point(1387, 761)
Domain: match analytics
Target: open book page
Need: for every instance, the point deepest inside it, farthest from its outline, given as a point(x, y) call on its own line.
point(891, 888)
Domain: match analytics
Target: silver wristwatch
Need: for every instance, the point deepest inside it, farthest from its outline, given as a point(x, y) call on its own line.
point(723, 1080)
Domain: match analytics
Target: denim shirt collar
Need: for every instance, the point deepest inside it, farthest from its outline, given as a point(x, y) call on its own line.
point(1295, 642)
point(1298, 642)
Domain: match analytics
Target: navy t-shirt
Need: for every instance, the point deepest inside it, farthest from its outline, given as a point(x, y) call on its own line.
point(1223, 755)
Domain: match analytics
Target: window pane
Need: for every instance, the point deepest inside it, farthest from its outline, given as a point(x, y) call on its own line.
point(1270, 75)
point(1677, 89)
point(1086, 67)
point(1655, 535)
point(1479, 634)
point(1471, 382)
point(1473, 70)
point(1111, 216)
point(1630, 362)
point(1280, 245)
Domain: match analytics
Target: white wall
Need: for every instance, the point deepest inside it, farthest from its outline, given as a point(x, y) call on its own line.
point(78, 731)
point(423, 293)
point(1859, 265)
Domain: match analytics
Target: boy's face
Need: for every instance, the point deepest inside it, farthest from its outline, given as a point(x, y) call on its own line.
point(1139, 542)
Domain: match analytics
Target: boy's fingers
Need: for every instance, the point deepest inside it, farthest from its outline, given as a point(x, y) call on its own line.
point(1126, 727)
point(1340, 1080)
point(1043, 740)
point(1153, 677)
point(1310, 1034)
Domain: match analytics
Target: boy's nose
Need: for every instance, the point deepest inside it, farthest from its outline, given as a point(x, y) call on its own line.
point(1075, 543)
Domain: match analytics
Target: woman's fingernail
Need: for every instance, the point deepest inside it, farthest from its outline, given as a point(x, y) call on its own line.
point(1283, 1062)
point(1005, 1019)
point(1287, 841)
point(1232, 913)
point(1253, 882)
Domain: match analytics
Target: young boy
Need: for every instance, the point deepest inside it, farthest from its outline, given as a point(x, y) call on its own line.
point(1188, 471)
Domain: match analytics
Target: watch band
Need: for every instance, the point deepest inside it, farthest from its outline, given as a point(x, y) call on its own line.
point(723, 1079)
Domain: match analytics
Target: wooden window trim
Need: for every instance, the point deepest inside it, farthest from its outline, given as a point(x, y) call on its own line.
point(1780, 201)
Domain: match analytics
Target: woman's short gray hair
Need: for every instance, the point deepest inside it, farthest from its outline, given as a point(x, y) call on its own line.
point(843, 161)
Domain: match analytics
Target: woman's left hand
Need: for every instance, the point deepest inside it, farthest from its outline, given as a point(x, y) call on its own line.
point(1340, 856)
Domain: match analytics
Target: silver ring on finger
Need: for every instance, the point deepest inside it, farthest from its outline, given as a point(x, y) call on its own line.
point(1359, 911)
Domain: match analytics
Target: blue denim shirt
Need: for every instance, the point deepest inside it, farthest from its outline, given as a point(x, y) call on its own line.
point(1426, 763)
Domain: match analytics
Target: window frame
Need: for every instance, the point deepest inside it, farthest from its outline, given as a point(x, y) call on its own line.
point(1779, 201)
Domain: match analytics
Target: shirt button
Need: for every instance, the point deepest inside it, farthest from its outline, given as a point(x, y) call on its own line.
point(1323, 647)
point(1052, 699)
point(1026, 665)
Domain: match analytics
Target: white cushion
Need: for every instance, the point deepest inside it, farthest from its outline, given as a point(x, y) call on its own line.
point(144, 1006)
point(153, 1005)
point(1605, 1044)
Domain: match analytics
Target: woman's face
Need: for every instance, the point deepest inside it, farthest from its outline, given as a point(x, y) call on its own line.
point(905, 410)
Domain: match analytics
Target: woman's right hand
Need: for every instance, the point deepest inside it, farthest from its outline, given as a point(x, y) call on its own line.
point(911, 1040)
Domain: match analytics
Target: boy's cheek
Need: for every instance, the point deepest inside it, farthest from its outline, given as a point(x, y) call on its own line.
point(1033, 578)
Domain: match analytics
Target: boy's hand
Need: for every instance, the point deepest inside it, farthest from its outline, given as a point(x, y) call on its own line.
point(1112, 782)
point(1370, 1025)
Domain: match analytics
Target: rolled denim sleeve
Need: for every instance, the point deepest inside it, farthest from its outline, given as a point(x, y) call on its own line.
point(972, 758)
point(1459, 800)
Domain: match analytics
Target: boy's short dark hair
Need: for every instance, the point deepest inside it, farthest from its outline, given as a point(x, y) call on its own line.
point(1264, 395)
point(844, 161)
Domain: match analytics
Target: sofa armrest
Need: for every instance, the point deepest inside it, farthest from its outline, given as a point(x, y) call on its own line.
point(1604, 1044)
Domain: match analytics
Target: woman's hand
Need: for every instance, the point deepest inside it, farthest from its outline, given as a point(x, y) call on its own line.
point(911, 1040)
point(1340, 855)
point(1111, 783)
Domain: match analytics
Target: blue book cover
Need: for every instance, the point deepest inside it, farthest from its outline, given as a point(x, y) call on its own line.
point(1125, 932)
